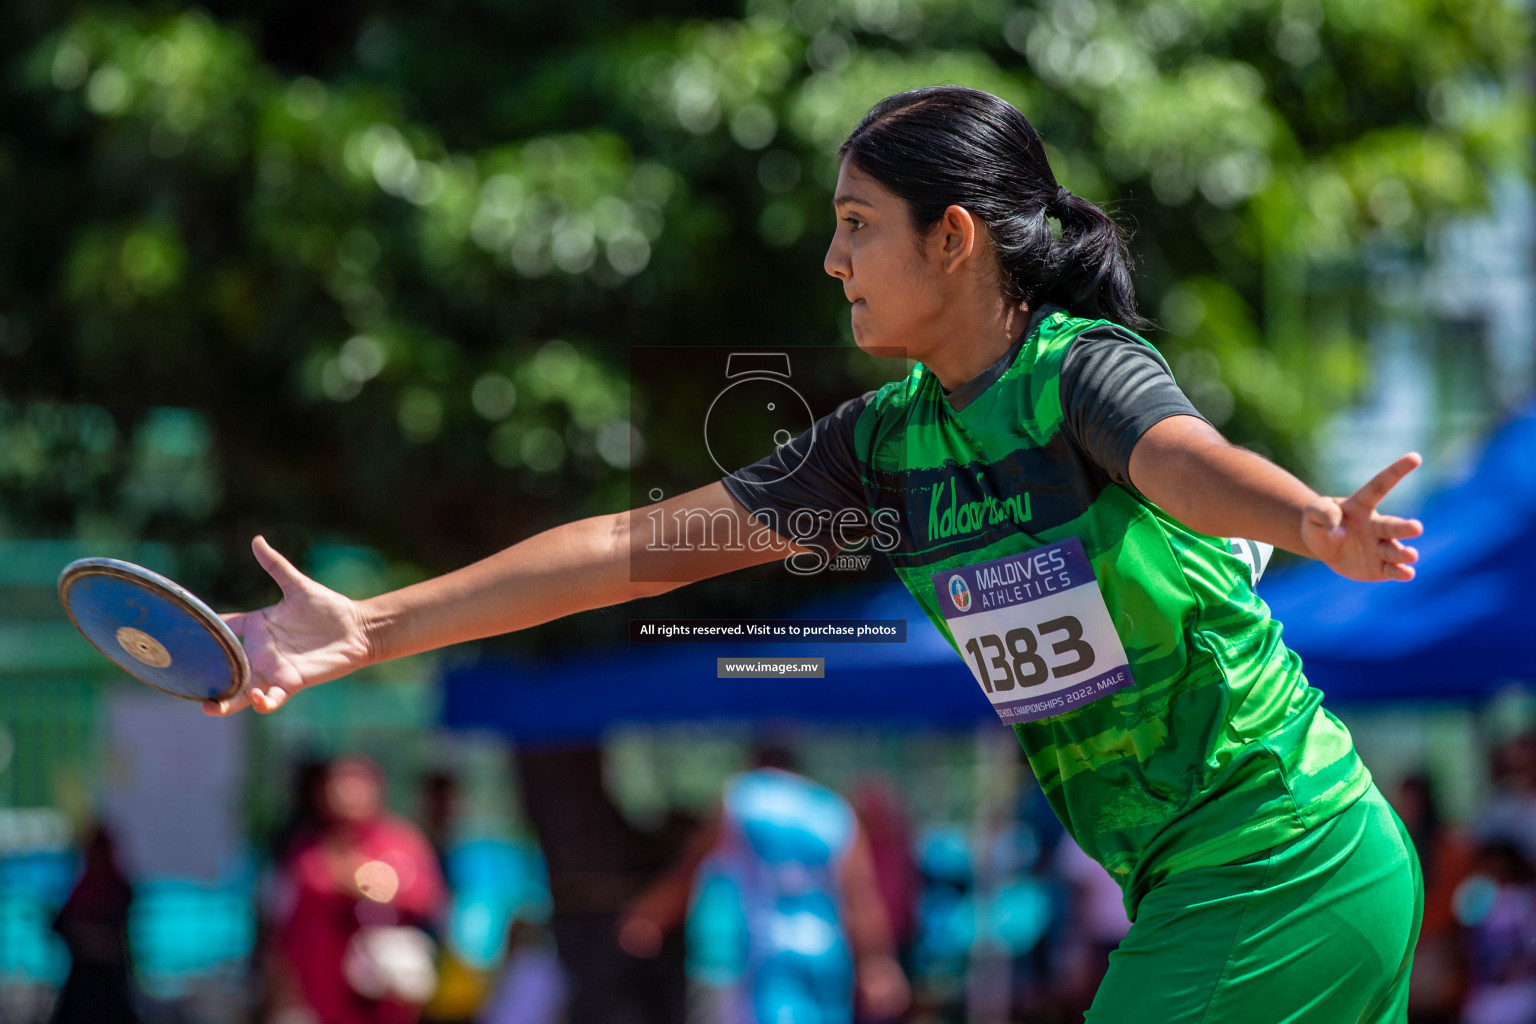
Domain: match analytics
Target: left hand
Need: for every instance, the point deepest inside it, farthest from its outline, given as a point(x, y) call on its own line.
point(1358, 542)
point(312, 635)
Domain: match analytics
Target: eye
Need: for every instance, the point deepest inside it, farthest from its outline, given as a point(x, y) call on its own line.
point(854, 223)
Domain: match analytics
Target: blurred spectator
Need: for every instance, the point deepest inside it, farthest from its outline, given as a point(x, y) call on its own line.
point(439, 808)
point(305, 815)
point(1445, 855)
point(787, 874)
point(884, 822)
point(358, 889)
point(460, 989)
point(306, 807)
point(1497, 903)
point(598, 861)
point(1511, 813)
point(533, 987)
point(1019, 915)
point(947, 921)
point(1096, 920)
point(988, 902)
point(94, 925)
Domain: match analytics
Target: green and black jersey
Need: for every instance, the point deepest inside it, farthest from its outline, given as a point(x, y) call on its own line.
point(1220, 748)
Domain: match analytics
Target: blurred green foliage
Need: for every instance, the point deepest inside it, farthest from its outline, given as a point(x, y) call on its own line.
point(387, 260)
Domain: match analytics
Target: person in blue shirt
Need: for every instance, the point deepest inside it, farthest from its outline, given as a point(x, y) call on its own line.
point(786, 923)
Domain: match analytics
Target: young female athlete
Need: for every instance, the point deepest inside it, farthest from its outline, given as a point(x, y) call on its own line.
point(1267, 878)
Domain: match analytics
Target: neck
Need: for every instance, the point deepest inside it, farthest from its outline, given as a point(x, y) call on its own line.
point(971, 343)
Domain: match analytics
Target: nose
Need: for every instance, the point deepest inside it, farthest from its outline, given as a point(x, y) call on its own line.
point(836, 262)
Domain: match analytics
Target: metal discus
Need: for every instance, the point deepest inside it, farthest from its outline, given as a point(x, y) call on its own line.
point(153, 629)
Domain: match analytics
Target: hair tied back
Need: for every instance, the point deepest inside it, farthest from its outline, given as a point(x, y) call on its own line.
point(948, 145)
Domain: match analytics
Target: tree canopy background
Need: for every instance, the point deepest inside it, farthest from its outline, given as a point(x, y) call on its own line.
point(370, 273)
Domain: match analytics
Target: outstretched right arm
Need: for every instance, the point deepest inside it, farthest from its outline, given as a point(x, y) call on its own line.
point(314, 634)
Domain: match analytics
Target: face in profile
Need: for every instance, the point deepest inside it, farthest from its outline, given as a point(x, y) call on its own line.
point(886, 268)
point(352, 793)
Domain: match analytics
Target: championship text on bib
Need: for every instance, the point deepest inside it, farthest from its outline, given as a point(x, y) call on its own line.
point(1034, 629)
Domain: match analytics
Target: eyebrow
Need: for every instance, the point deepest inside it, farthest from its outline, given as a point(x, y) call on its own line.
point(848, 197)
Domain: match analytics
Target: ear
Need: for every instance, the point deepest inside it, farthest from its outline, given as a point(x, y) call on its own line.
point(958, 235)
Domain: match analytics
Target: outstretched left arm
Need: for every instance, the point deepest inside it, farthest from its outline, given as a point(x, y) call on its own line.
point(1186, 468)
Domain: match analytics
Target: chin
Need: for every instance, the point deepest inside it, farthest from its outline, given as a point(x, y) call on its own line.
point(863, 336)
point(876, 344)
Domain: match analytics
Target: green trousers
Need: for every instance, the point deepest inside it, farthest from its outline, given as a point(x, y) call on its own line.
point(1320, 929)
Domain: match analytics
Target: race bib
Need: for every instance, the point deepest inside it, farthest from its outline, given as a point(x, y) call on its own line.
point(1035, 631)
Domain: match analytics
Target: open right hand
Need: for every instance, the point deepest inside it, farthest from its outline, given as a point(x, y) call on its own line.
point(1355, 540)
point(310, 636)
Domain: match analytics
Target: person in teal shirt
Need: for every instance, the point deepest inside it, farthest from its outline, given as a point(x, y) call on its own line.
point(1058, 509)
point(784, 917)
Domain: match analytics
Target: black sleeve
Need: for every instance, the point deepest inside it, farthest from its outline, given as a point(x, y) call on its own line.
point(1114, 387)
point(816, 474)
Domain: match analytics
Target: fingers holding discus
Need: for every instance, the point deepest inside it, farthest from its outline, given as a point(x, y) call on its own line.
point(311, 635)
point(260, 694)
point(263, 701)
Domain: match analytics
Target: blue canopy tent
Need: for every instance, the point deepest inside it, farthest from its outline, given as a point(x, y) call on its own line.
point(1464, 626)
point(1460, 630)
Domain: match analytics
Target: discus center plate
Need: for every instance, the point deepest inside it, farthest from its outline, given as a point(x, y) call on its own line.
point(144, 647)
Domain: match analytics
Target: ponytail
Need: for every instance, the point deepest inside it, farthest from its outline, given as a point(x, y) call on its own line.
point(1093, 266)
point(951, 146)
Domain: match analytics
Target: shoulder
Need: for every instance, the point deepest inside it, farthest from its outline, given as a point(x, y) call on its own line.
point(897, 395)
point(1105, 356)
point(1113, 387)
point(1064, 345)
point(1104, 337)
point(868, 421)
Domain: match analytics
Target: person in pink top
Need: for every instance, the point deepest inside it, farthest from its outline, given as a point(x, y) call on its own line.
point(357, 890)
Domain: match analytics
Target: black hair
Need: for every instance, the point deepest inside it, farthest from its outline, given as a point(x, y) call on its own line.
point(947, 145)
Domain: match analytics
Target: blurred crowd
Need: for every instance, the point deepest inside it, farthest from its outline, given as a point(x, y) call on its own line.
point(1476, 958)
point(784, 902)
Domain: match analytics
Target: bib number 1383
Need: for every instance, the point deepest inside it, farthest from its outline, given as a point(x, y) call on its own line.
point(1034, 630)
